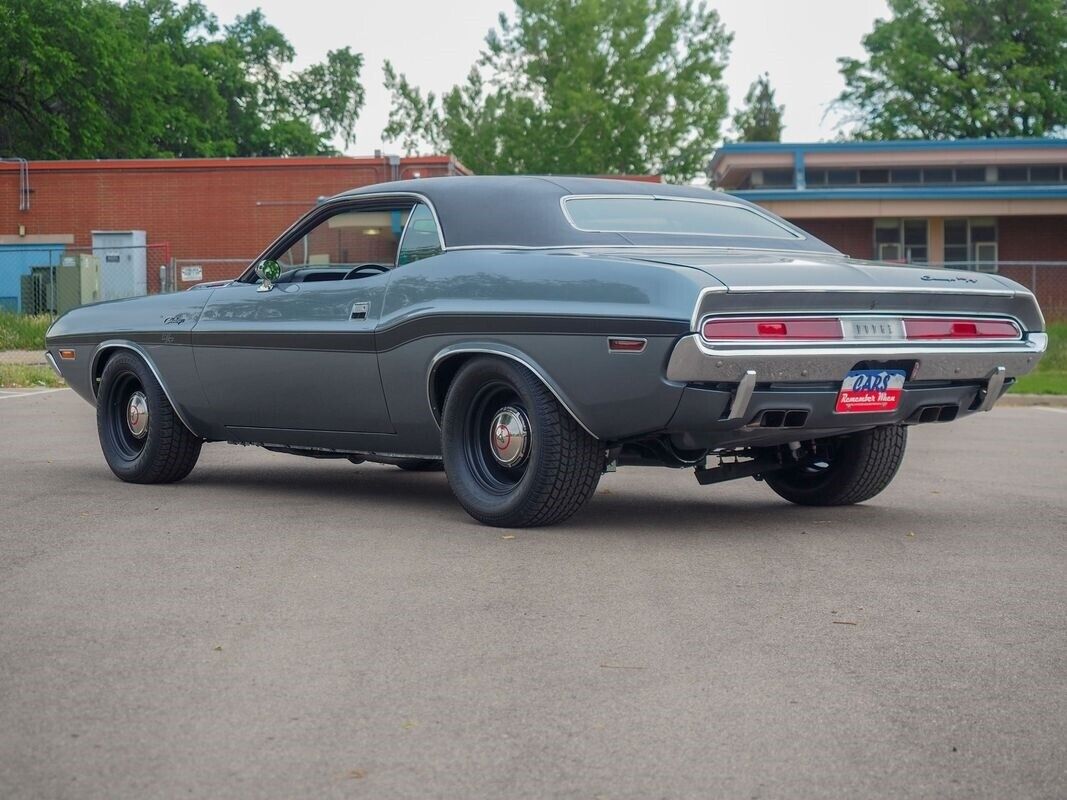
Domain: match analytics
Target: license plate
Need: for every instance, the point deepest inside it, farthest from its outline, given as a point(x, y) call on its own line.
point(866, 391)
point(868, 328)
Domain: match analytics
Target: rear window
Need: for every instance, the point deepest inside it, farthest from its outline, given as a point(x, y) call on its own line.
point(670, 216)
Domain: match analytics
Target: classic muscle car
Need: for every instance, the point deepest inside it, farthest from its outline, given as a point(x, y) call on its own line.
point(527, 334)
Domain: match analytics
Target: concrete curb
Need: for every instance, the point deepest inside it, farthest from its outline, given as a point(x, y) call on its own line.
point(1054, 400)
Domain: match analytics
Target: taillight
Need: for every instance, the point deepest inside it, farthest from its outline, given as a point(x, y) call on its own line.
point(799, 329)
point(956, 329)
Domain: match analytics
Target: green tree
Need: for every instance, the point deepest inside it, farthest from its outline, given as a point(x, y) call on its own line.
point(760, 120)
point(95, 79)
point(580, 86)
point(961, 68)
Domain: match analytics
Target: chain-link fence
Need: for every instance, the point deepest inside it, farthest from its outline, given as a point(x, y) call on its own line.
point(50, 278)
point(185, 272)
point(1046, 279)
point(53, 278)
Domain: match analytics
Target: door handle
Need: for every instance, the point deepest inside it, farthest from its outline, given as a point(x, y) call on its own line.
point(359, 310)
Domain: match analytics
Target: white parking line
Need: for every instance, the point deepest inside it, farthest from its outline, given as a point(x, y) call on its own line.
point(1050, 408)
point(32, 393)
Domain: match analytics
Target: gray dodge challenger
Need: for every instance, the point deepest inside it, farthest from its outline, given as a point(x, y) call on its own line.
point(527, 334)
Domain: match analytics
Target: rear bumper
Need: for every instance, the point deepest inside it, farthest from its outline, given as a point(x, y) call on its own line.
point(693, 361)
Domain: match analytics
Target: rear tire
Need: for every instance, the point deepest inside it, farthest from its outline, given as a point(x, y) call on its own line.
point(141, 436)
point(860, 466)
point(514, 457)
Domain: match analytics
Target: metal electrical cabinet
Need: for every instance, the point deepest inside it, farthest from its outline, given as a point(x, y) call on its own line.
point(77, 281)
point(123, 263)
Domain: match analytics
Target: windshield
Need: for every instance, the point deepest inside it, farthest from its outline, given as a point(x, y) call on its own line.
point(670, 215)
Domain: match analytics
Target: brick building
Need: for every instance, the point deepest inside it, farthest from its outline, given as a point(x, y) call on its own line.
point(218, 213)
point(996, 205)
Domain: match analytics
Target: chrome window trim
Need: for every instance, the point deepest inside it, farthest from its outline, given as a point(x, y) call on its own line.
point(791, 233)
point(486, 350)
point(342, 200)
point(404, 233)
point(837, 345)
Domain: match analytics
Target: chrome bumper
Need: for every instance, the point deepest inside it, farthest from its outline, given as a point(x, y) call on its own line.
point(693, 361)
point(52, 363)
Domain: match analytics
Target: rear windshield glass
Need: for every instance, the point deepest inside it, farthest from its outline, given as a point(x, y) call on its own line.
point(669, 215)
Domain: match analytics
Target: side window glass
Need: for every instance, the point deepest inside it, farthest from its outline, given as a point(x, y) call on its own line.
point(347, 239)
point(421, 238)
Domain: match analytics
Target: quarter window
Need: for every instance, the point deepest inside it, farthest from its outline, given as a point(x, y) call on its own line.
point(421, 237)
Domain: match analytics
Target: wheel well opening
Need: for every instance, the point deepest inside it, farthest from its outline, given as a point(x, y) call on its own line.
point(101, 363)
point(443, 375)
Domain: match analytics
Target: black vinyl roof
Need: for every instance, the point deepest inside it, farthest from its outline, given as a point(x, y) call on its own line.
point(525, 211)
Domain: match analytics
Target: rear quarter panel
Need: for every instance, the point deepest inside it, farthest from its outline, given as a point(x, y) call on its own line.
point(555, 311)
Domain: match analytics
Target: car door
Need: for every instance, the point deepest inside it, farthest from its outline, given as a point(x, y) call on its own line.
point(300, 355)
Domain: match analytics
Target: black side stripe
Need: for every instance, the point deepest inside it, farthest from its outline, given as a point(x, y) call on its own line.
point(397, 335)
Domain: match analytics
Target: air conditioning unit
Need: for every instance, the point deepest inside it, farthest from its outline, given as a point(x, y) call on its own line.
point(38, 291)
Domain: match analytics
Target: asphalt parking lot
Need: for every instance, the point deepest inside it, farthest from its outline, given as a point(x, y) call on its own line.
point(284, 627)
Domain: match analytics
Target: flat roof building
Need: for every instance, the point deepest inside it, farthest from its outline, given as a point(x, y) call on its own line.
point(997, 205)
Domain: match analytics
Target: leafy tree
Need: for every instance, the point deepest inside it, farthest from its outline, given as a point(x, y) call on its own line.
point(95, 79)
point(760, 120)
point(580, 86)
point(961, 68)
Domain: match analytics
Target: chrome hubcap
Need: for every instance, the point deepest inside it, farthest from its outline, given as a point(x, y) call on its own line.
point(509, 434)
point(137, 414)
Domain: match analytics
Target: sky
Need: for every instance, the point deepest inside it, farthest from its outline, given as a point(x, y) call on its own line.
point(435, 43)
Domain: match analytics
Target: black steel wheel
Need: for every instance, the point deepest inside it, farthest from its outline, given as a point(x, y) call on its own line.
point(140, 434)
point(513, 455)
point(854, 468)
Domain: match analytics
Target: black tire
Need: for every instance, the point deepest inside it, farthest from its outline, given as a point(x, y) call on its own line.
point(561, 464)
point(422, 465)
point(166, 451)
point(859, 466)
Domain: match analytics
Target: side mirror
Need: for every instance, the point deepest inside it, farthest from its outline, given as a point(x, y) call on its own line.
point(268, 270)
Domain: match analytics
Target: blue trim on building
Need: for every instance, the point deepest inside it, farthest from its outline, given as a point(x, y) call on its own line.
point(910, 193)
point(798, 149)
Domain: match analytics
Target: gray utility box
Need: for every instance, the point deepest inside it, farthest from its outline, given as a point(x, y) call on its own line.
point(123, 263)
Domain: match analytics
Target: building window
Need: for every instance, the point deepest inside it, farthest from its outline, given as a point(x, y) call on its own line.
point(905, 241)
point(971, 243)
point(777, 177)
point(1034, 173)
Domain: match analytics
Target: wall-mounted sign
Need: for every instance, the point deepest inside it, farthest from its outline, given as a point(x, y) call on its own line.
point(112, 258)
point(191, 274)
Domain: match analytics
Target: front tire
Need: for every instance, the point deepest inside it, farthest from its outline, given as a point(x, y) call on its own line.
point(858, 467)
point(141, 436)
point(514, 457)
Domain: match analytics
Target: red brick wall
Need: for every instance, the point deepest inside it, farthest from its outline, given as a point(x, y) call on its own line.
point(853, 237)
point(221, 208)
point(1032, 238)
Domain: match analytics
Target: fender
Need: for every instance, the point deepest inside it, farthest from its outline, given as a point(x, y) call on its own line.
point(124, 344)
point(504, 351)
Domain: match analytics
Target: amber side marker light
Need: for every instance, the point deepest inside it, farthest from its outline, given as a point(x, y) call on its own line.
point(67, 355)
point(626, 345)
